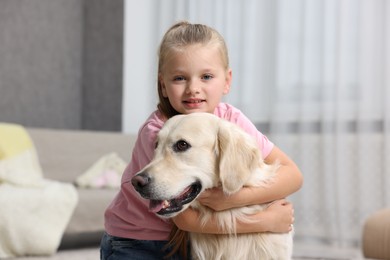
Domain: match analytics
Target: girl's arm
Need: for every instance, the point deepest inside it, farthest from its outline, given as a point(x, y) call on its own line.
point(287, 181)
point(277, 218)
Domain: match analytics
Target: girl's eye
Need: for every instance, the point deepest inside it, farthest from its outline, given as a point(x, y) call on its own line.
point(207, 77)
point(181, 146)
point(178, 78)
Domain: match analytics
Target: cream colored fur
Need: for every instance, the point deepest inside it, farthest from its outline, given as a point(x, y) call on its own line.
point(220, 154)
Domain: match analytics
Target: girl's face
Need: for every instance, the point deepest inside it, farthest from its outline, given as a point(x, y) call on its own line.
point(195, 79)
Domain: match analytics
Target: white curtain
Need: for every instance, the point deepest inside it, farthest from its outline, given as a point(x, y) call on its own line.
point(330, 111)
point(311, 74)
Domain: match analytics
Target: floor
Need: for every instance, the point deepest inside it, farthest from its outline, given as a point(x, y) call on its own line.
point(301, 252)
point(305, 252)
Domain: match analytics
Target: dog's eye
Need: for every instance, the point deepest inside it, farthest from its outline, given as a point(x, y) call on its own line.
point(181, 146)
point(156, 145)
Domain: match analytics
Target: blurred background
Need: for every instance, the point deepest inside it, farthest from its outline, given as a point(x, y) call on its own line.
point(312, 75)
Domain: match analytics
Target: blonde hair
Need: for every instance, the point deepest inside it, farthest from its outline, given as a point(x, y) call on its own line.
point(179, 36)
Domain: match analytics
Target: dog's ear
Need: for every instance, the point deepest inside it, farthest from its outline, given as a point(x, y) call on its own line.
point(238, 156)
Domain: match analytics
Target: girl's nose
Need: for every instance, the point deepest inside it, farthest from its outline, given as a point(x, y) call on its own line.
point(192, 88)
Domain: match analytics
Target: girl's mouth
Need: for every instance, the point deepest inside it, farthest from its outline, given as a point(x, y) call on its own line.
point(193, 103)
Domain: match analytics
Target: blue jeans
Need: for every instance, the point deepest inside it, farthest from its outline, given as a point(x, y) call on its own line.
point(117, 248)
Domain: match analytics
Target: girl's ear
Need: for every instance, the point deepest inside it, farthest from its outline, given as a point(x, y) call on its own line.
point(228, 81)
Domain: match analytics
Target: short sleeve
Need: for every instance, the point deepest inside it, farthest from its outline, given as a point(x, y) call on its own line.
point(234, 115)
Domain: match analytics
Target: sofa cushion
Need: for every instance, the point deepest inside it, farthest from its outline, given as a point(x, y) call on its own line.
point(19, 164)
point(33, 219)
point(105, 173)
point(89, 213)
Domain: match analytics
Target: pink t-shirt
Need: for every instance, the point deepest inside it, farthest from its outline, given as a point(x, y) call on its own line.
point(128, 214)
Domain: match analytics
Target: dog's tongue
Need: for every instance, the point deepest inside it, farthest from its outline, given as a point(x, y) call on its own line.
point(155, 205)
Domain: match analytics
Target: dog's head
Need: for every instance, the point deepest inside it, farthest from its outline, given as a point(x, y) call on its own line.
point(195, 152)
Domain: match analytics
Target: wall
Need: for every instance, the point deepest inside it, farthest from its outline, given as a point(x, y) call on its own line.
point(103, 65)
point(140, 62)
point(61, 64)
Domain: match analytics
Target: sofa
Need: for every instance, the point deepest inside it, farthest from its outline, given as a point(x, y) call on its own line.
point(376, 235)
point(64, 156)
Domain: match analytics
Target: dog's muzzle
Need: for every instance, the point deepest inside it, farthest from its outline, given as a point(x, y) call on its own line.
point(164, 206)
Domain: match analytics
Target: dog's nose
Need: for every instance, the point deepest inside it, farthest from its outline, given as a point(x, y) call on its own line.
point(139, 181)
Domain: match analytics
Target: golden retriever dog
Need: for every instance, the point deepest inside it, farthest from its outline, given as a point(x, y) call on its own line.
point(199, 151)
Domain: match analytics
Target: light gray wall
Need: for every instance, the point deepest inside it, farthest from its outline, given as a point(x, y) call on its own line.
point(61, 63)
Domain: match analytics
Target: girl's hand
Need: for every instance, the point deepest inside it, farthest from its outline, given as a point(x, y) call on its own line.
point(279, 217)
point(216, 199)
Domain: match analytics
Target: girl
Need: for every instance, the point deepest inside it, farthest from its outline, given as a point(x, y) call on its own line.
point(193, 76)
